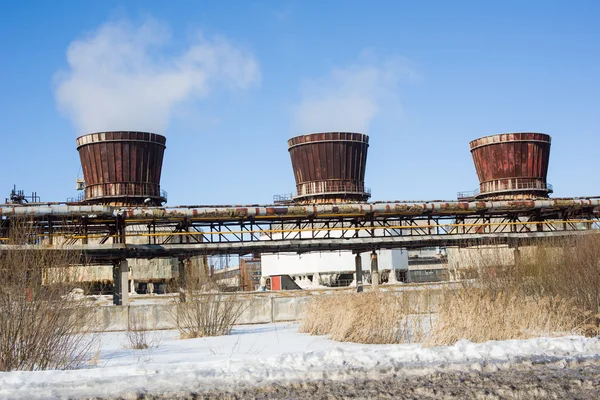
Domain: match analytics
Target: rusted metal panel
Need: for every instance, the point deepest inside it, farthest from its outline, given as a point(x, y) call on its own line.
point(329, 166)
point(512, 165)
point(122, 167)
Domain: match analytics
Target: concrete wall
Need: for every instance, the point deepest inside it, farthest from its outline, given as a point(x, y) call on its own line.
point(258, 309)
point(480, 257)
point(141, 270)
point(500, 255)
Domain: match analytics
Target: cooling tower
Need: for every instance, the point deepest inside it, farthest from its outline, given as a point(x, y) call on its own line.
point(512, 165)
point(329, 167)
point(122, 167)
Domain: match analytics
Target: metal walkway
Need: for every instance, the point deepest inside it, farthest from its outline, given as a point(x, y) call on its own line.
point(105, 233)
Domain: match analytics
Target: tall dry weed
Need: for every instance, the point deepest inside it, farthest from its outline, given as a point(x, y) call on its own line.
point(549, 288)
point(371, 317)
point(478, 314)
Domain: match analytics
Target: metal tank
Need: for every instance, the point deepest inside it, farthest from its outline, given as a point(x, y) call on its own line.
point(329, 167)
point(512, 165)
point(122, 167)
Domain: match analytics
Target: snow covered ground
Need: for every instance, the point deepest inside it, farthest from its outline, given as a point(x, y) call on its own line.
point(259, 354)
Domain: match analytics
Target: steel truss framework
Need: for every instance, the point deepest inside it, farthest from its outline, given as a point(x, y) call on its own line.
point(104, 233)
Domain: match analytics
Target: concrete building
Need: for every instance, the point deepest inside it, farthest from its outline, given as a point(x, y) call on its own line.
point(334, 268)
point(427, 265)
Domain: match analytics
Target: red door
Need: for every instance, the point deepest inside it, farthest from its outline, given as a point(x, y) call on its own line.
point(275, 283)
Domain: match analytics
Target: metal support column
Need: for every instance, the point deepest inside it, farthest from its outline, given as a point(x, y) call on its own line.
point(121, 283)
point(359, 279)
point(374, 270)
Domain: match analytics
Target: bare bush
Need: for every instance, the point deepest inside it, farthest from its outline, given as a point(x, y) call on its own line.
point(210, 314)
point(201, 310)
point(371, 317)
point(42, 320)
point(139, 335)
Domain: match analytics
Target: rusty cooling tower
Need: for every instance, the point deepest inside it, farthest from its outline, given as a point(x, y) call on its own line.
point(512, 165)
point(122, 167)
point(329, 167)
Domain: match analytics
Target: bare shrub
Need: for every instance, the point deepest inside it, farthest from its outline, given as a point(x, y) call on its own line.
point(201, 310)
point(208, 314)
point(42, 320)
point(371, 317)
point(139, 336)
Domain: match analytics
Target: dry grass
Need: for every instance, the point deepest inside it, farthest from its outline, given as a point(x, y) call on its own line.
point(477, 314)
point(552, 288)
point(42, 322)
point(372, 317)
point(549, 289)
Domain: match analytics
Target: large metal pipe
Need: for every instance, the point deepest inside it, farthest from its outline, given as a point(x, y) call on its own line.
point(55, 210)
point(316, 211)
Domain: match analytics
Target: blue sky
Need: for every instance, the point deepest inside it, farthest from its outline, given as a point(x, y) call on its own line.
point(228, 82)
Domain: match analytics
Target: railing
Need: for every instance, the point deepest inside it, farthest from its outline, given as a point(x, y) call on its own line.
point(123, 190)
point(282, 198)
point(80, 197)
point(467, 194)
point(506, 185)
point(332, 187)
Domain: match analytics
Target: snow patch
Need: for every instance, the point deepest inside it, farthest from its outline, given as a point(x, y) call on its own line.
point(272, 352)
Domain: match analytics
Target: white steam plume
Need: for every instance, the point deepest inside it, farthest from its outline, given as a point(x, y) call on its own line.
point(348, 99)
point(122, 77)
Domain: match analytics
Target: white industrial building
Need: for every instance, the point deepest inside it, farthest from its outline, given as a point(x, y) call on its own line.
point(333, 268)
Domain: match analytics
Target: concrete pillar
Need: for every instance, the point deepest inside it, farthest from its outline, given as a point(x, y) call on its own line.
point(132, 286)
point(120, 283)
point(517, 254)
point(131, 282)
point(182, 280)
point(374, 270)
point(116, 283)
point(392, 276)
point(359, 279)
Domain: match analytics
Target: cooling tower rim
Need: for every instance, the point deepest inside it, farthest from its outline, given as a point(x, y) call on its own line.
point(358, 138)
point(494, 139)
point(81, 140)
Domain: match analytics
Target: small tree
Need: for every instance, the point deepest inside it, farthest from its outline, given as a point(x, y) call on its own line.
point(42, 321)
